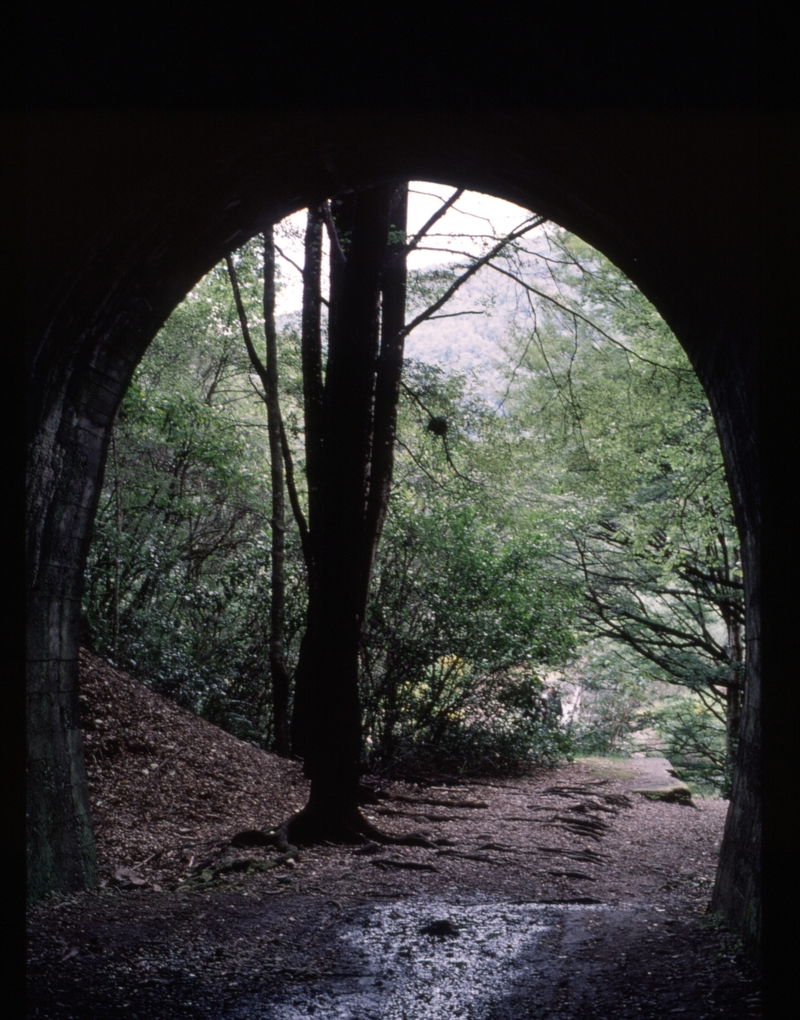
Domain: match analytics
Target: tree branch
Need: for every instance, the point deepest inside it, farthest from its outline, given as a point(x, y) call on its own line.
point(484, 260)
point(583, 318)
point(333, 233)
point(255, 361)
point(412, 244)
point(297, 510)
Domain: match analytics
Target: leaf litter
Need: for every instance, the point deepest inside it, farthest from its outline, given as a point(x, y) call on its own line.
point(186, 924)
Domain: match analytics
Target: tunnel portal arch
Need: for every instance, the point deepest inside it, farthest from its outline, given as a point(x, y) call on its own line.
point(127, 213)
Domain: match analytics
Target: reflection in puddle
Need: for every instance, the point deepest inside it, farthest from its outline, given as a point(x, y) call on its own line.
point(393, 971)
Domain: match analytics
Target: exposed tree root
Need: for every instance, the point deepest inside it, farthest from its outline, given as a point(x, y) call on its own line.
point(587, 900)
point(307, 827)
point(586, 834)
point(582, 807)
point(592, 799)
point(370, 847)
point(589, 856)
point(372, 795)
point(583, 788)
point(253, 837)
point(390, 862)
point(484, 858)
point(419, 814)
point(440, 801)
point(586, 824)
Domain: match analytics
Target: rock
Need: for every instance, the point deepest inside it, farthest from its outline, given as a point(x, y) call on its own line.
point(126, 877)
point(675, 794)
point(440, 928)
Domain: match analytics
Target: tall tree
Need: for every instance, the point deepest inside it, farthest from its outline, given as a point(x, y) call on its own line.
point(279, 674)
point(349, 463)
point(351, 420)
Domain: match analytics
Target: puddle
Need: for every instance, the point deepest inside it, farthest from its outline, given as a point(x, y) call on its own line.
point(390, 970)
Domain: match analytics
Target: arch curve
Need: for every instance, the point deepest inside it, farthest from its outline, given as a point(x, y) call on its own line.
point(127, 213)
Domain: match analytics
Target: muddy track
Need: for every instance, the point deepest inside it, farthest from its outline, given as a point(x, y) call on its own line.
point(557, 919)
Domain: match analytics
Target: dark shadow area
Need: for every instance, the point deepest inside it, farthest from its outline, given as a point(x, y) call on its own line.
point(131, 199)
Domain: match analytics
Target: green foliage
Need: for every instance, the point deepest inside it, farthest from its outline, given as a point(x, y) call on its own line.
point(177, 580)
point(693, 735)
point(464, 611)
point(628, 443)
point(587, 519)
point(615, 697)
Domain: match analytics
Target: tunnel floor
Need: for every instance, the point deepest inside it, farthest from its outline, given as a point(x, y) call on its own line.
point(576, 892)
point(294, 956)
point(516, 911)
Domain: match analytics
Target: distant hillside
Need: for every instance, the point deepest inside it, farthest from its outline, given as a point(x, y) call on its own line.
point(472, 343)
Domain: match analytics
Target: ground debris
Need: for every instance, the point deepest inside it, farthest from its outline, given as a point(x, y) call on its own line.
point(335, 937)
point(440, 802)
point(393, 862)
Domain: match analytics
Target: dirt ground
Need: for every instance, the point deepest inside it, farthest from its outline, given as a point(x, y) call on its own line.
point(559, 895)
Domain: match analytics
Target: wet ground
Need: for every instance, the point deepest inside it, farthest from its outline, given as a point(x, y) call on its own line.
point(419, 957)
point(573, 893)
point(496, 960)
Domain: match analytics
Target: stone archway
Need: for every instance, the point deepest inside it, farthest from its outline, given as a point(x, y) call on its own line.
point(131, 211)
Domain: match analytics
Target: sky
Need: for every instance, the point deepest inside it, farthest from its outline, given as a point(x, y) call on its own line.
point(475, 214)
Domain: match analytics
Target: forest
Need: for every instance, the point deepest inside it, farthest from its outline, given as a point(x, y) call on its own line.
point(533, 557)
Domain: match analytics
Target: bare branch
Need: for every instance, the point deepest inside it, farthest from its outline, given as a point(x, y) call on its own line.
point(421, 466)
point(291, 262)
point(417, 399)
point(452, 315)
point(583, 318)
point(255, 361)
point(297, 510)
point(412, 244)
point(484, 260)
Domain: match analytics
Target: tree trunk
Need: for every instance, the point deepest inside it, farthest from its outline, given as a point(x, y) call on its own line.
point(344, 536)
point(279, 676)
point(737, 887)
point(313, 407)
point(118, 540)
point(277, 661)
point(733, 717)
point(387, 383)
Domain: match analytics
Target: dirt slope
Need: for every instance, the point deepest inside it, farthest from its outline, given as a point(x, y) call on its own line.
point(164, 784)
